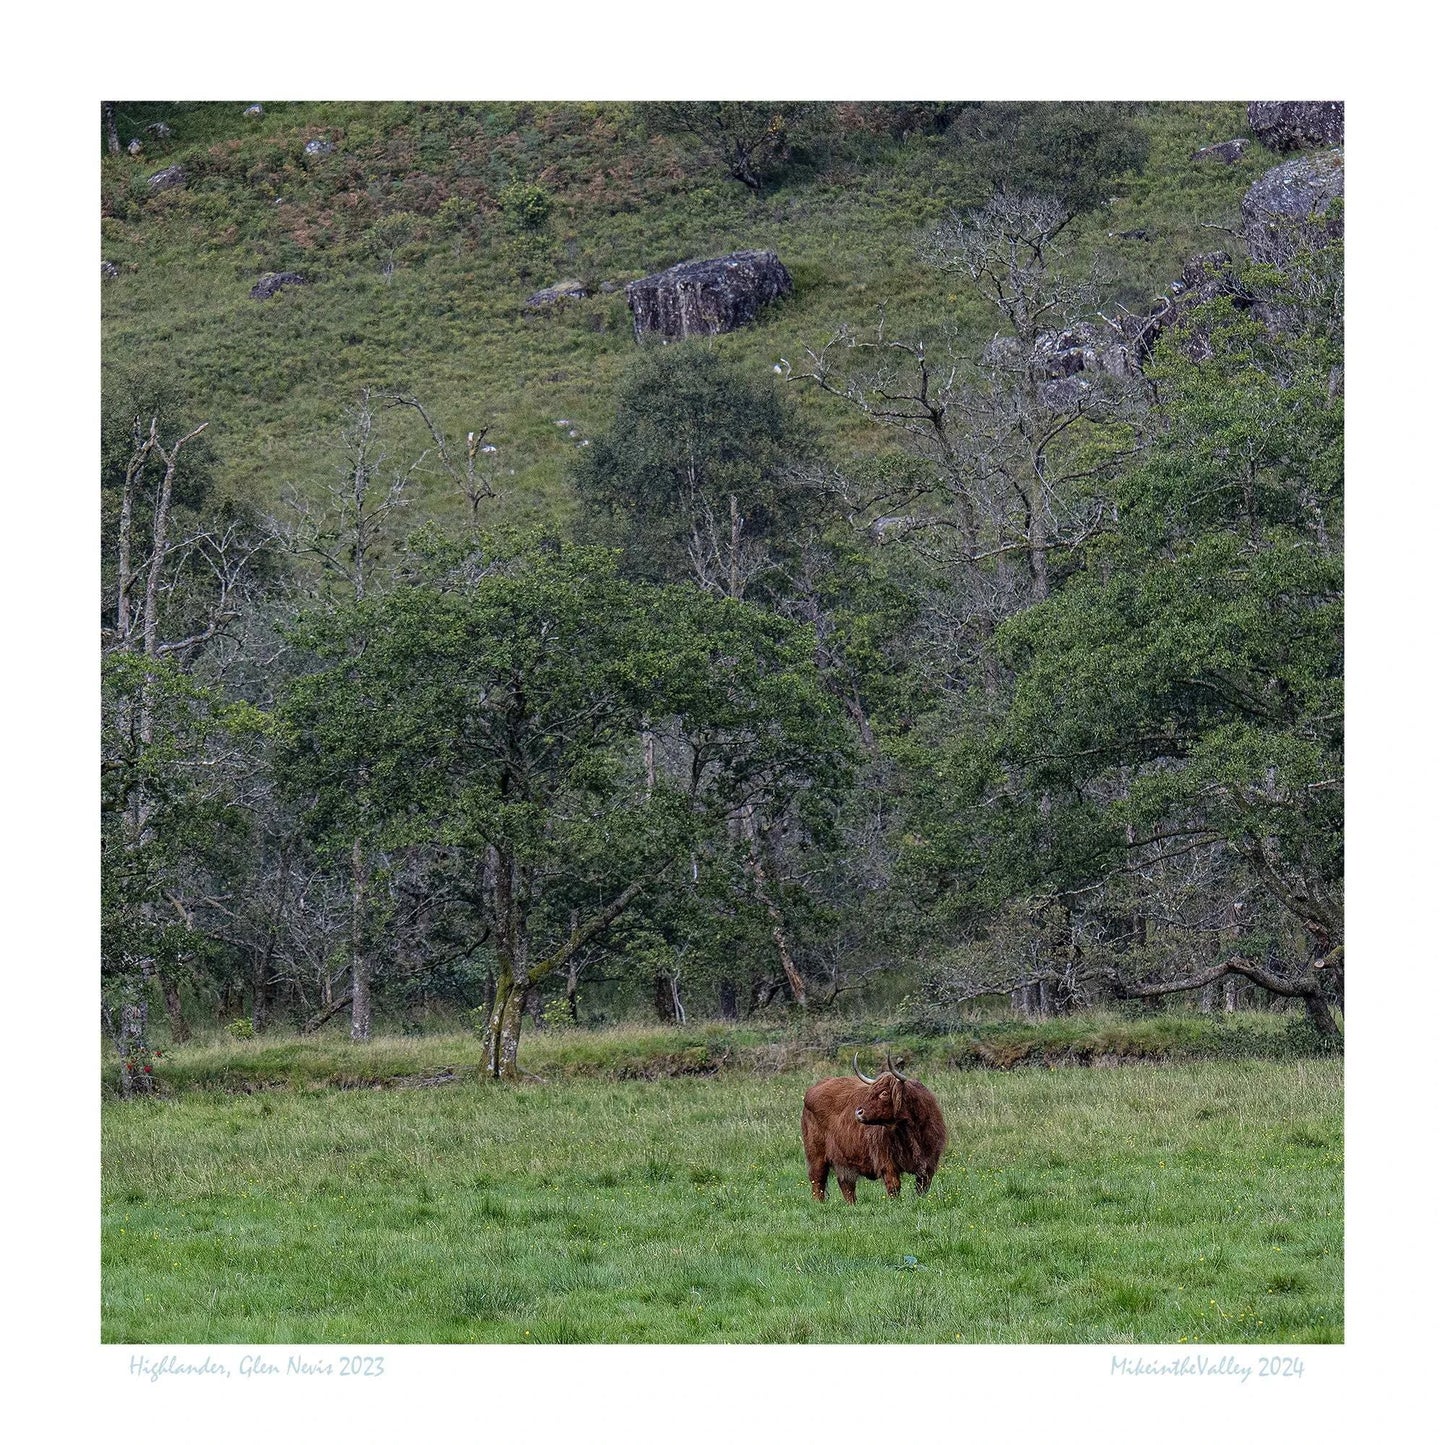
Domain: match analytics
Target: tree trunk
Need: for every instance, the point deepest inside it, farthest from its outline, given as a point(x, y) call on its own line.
point(662, 998)
point(112, 134)
point(504, 1031)
point(735, 541)
point(1231, 994)
point(1047, 1002)
point(790, 969)
point(133, 1046)
point(1208, 997)
point(360, 964)
point(260, 993)
point(649, 758)
point(1318, 1008)
point(572, 986)
point(727, 999)
point(1038, 533)
point(171, 993)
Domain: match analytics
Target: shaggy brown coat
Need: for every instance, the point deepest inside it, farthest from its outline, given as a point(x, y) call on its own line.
point(881, 1130)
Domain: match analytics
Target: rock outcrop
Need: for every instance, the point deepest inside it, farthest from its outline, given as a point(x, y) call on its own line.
point(167, 179)
point(1225, 151)
point(319, 147)
point(254, 112)
point(553, 295)
point(1206, 278)
point(1064, 366)
point(109, 270)
point(273, 281)
point(1286, 209)
point(159, 129)
point(1294, 125)
point(1062, 363)
point(702, 298)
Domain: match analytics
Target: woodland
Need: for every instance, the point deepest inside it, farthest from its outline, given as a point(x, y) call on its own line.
point(960, 638)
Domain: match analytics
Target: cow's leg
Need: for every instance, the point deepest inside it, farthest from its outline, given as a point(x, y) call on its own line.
point(921, 1181)
point(847, 1179)
point(818, 1178)
point(891, 1182)
point(815, 1150)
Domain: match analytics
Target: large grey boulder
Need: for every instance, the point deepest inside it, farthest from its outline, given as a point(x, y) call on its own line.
point(552, 295)
point(318, 148)
point(273, 281)
point(702, 298)
point(168, 178)
point(1294, 125)
point(1285, 210)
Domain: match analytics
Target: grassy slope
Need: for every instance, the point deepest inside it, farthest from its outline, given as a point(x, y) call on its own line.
point(274, 376)
point(1151, 1204)
point(330, 1060)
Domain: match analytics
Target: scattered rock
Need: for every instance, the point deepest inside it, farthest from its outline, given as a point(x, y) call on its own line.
point(109, 270)
point(252, 112)
point(159, 129)
point(1225, 151)
point(319, 148)
point(1142, 233)
point(1292, 125)
point(273, 281)
point(552, 295)
point(167, 179)
point(703, 298)
point(135, 148)
point(608, 287)
point(1285, 209)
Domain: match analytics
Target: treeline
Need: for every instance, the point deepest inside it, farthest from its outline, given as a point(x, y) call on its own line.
point(1036, 693)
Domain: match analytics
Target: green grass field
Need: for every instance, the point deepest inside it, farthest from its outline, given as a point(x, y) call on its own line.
point(1195, 1201)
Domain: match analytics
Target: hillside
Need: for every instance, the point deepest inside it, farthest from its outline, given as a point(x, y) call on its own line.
point(419, 258)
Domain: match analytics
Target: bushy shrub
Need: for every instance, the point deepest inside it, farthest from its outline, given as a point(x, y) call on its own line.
point(525, 204)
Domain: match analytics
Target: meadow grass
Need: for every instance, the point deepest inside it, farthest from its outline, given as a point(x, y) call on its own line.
point(1195, 1202)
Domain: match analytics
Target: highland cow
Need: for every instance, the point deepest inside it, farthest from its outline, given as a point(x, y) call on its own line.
point(872, 1129)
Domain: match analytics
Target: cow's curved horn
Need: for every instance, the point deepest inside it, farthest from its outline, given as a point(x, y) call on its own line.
point(860, 1072)
point(894, 1069)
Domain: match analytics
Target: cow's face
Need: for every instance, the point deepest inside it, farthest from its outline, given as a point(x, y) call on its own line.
point(884, 1104)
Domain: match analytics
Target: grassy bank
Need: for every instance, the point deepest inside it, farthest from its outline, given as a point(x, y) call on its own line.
point(1196, 1202)
point(217, 1060)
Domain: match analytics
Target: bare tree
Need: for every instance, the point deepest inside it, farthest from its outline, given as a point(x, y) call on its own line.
point(347, 530)
point(346, 533)
point(1007, 440)
point(173, 595)
point(474, 475)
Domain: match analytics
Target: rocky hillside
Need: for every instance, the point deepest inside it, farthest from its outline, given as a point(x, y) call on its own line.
point(271, 259)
